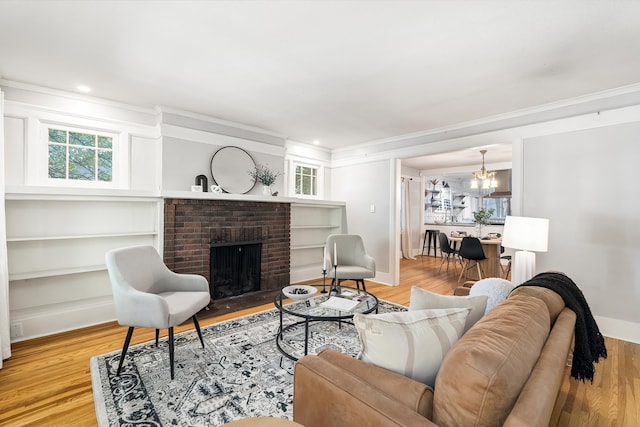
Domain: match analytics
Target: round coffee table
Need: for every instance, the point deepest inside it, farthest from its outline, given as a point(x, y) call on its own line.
point(316, 310)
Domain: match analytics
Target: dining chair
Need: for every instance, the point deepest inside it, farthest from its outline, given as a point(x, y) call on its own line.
point(505, 268)
point(147, 294)
point(353, 262)
point(447, 252)
point(471, 251)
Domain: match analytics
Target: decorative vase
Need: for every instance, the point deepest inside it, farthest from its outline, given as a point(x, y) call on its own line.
point(266, 190)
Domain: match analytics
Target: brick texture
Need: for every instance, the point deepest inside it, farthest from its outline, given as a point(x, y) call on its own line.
point(191, 225)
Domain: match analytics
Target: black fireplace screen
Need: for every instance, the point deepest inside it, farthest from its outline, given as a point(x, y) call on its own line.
point(235, 268)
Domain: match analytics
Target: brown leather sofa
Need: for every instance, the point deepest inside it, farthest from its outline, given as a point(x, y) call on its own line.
point(506, 370)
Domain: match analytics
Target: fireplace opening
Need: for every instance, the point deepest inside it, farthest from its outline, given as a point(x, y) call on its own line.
point(234, 268)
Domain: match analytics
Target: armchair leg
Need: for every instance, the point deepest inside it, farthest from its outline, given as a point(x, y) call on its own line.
point(125, 347)
point(197, 325)
point(333, 286)
point(171, 350)
point(364, 288)
point(157, 336)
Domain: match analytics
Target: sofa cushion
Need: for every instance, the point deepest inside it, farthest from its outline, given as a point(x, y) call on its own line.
point(422, 299)
point(411, 343)
point(483, 374)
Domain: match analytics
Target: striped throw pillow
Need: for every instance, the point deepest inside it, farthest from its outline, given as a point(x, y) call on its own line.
point(411, 343)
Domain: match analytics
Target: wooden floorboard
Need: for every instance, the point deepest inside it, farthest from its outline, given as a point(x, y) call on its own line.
point(47, 381)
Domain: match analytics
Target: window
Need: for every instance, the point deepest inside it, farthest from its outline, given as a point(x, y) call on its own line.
point(306, 180)
point(80, 155)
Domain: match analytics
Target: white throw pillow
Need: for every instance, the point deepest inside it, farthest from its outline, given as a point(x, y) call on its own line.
point(496, 290)
point(411, 343)
point(422, 299)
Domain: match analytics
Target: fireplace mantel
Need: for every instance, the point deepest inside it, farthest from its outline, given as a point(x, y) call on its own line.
point(246, 198)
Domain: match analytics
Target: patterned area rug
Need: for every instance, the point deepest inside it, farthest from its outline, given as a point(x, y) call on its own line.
point(240, 373)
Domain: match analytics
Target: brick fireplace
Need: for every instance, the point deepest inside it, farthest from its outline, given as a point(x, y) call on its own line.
point(192, 225)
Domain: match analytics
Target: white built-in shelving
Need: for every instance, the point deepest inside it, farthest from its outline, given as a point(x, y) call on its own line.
point(56, 242)
point(311, 224)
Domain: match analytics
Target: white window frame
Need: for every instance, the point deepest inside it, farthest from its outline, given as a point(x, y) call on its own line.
point(39, 171)
point(319, 179)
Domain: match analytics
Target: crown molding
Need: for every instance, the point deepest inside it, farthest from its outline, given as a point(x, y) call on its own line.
point(76, 96)
point(599, 101)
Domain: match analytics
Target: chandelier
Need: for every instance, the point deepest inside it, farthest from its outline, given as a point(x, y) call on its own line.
point(483, 178)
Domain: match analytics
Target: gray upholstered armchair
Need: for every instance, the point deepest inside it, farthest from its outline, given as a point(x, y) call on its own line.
point(353, 261)
point(147, 294)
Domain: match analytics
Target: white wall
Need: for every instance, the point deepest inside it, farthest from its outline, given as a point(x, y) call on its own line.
point(586, 183)
point(362, 186)
point(189, 143)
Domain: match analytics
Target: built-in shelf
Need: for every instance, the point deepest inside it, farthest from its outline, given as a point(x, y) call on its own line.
point(300, 227)
point(312, 222)
point(84, 236)
point(56, 272)
point(297, 248)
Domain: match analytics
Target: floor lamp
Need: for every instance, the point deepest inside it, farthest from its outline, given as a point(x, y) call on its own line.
point(527, 236)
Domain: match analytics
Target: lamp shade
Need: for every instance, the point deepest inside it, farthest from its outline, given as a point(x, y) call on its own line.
point(526, 234)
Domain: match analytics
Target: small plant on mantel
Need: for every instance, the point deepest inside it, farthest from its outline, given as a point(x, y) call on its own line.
point(265, 176)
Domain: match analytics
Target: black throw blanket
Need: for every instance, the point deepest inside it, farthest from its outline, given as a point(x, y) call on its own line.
point(589, 343)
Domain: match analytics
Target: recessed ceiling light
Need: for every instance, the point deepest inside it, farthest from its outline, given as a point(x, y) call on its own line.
point(316, 142)
point(83, 88)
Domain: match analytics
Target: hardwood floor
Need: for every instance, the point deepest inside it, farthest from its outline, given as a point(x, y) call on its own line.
point(47, 381)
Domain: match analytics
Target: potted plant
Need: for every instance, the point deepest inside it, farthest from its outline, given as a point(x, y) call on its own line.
point(481, 217)
point(265, 176)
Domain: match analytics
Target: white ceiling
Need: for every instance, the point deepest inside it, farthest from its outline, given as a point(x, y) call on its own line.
point(342, 72)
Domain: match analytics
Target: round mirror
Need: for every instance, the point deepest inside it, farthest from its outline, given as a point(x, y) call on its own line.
point(230, 167)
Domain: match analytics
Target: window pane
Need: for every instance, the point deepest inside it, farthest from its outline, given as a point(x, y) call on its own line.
point(298, 183)
point(306, 180)
point(104, 165)
point(57, 135)
point(57, 161)
point(306, 185)
point(104, 142)
point(82, 164)
point(84, 139)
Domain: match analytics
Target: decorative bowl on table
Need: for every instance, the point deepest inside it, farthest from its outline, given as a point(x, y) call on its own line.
point(299, 292)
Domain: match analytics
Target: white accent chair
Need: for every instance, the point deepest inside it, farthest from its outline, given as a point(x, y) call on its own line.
point(147, 294)
point(353, 261)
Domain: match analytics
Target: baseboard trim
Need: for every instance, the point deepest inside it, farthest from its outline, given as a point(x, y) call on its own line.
point(619, 329)
point(49, 323)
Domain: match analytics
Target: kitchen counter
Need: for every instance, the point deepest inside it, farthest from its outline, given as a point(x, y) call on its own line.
point(468, 227)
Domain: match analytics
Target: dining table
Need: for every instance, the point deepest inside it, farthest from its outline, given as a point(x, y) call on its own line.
point(491, 265)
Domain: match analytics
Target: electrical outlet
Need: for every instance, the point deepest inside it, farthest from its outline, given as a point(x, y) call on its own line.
point(16, 330)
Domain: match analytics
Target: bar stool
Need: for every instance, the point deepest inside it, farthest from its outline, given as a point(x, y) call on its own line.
point(429, 236)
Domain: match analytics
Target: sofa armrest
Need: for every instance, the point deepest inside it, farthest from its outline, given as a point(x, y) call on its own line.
point(328, 395)
point(417, 396)
point(537, 399)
